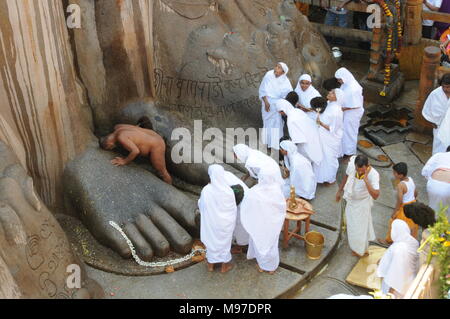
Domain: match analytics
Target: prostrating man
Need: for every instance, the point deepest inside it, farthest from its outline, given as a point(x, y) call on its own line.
point(218, 213)
point(263, 211)
point(306, 92)
point(255, 161)
point(399, 265)
point(360, 186)
point(437, 172)
point(406, 194)
point(301, 174)
point(139, 142)
point(302, 130)
point(353, 107)
point(274, 86)
point(330, 123)
point(435, 109)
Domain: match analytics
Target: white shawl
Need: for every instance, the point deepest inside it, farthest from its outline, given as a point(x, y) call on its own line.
point(435, 106)
point(273, 87)
point(353, 90)
point(255, 160)
point(444, 129)
point(301, 171)
point(218, 215)
point(399, 265)
point(302, 130)
point(263, 211)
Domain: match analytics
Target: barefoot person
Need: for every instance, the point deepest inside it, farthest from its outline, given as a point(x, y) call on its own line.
point(434, 111)
point(306, 92)
point(218, 213)
point(399, 265)
point(406, 194)
point(353, 108)
point(139, 142)
point(330, 123)
point(274, 86)
point(263, 211)
point(437, 172)
point(361, 185)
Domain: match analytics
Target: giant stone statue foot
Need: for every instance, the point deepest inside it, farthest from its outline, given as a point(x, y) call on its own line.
point(34, 251)
point(156, 216)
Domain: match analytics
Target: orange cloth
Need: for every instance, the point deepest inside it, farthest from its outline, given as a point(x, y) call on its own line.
point(303, 8)
point(444, 39)
point(401, 215)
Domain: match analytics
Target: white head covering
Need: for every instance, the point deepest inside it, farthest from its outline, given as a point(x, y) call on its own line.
point(305, 97)
point(285, 106)
point(399, 265)
point(218, 213)
point(242, 151)
point(284, 67)
point(340, 96)
point(305, 77)
point(352, 89)
point(291, 150)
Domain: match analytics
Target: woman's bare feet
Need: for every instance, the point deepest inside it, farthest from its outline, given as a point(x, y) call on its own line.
point(226, 267)
point(261, 271)
point(358, 255)
point(210, 267)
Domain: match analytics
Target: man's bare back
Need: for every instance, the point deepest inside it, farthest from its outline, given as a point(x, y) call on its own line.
point(139, 142)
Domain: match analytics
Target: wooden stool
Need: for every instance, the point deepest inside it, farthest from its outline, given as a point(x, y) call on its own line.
point(301, 214)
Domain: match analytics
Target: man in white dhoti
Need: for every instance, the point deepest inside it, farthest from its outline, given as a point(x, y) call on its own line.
point(301, 174)
point(254, 161)
point(306, 92)
point(434, 111)
point(353, 107)
point(263, 213)
point(302, 130)
point(330, 124)
point(240, 236)
point(360, 187)
point(218, 213)
point(274, 86)
point(437, 172)
point(400, 262)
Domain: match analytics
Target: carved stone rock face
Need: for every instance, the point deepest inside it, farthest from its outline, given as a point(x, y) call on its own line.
point(34, 251)
point(202, 60)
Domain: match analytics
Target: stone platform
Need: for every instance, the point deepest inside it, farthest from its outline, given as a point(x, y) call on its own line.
point(244, 281)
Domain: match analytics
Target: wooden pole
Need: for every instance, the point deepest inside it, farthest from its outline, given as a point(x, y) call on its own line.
point(413, 29)
point(431, 61)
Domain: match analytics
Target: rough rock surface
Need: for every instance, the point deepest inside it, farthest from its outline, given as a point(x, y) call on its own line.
point(34, 250)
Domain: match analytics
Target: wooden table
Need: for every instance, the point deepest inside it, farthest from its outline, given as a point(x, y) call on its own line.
point(301, 214)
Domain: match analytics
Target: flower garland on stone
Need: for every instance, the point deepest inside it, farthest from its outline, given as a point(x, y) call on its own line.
point(391, 51)
point(154, 264)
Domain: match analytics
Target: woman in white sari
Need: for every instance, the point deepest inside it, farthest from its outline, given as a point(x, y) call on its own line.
point(306, 92)
point(255, 161)
point(301, 174)
point(274, 86)
point(218, 213)
point(330, 133)
point(263, 213)
point(399, 264)
point(353, 107)
point(302, 130)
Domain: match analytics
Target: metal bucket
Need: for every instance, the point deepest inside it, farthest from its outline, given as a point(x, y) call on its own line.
point(314, 244)
point(337, 54)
